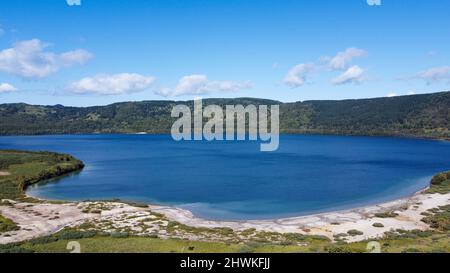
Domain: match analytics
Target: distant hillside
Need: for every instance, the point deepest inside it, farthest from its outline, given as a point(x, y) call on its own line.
point(418, 115)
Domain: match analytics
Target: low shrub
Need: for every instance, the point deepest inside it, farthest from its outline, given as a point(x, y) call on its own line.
point(440, 178)
point(440, 183)
point(120, 235)
point(7, 225)
point(246, 249)
point(43, 240)
point(339, 249)
point(14, 248)
point(440, 220)
point(295, 237)
point(354, 232)
point(411, 250)
point(70, 234)
point(389, 214)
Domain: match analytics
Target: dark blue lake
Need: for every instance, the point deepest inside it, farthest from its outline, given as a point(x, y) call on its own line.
point(234, 180)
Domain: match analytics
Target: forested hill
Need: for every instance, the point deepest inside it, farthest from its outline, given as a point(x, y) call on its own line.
point(417, 115)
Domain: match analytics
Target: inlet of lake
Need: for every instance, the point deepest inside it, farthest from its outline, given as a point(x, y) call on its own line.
point(233, 180)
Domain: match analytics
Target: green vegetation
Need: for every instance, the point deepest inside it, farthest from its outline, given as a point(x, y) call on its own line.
point(92, 241)
point(354, 232)
point(440, 183)
point(394, 242)
point(378, 225)
point(7, 225)
point(419, 115)
point(389, 214)
point(26, 168)
point(440, 219)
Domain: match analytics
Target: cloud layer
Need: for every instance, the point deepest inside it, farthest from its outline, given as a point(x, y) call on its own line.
point(6, 87)
point(434, 75)
point(116, 84)
point(342, 59)
point(354, 74)
point(29, 59)
point(199, 84)
point(296, 77)
point(391, 95)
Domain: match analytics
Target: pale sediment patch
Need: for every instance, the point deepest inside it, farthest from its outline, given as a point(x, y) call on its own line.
point(4, 173)
point(37, 220)
point(41, 219)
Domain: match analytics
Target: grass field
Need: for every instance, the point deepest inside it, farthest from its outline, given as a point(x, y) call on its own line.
point(400, 242)
point(440, 183)
point(22, 169)
point(7, 225)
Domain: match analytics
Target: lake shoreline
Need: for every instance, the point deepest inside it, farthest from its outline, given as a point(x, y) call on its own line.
point(408, 214)
point(287, 133)
point(310, 168)
point(39, 217)
point(194, 217)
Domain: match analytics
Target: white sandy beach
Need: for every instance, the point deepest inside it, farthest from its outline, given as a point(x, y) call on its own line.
point(43, 219)
point(333, 223)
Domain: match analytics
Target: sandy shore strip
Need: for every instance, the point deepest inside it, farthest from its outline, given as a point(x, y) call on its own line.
point(332, 223)
point(2, 173)
point(43, 219)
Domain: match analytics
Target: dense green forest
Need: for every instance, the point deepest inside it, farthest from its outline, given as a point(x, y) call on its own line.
point(416, 115)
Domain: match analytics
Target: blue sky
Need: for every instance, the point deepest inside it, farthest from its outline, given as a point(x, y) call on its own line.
point(106, 51)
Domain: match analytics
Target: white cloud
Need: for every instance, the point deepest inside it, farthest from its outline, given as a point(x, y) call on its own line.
point(78, 56)
point(116, 84)
point(28, 59)
point(198, 84)
point(296, 77)
point(6, 87)
point(391, 95)
point(411, 93)
point(354, 74)
point(344, 58)
point(193, 84)
point(434, 75)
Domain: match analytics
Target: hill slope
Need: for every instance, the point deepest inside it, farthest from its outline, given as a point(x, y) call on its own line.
point(425, 115)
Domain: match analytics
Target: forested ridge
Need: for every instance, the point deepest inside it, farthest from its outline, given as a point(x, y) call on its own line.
point(424, 115)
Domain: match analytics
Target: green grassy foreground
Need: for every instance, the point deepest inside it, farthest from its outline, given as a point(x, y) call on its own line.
point(7, 225)
point(91, 242)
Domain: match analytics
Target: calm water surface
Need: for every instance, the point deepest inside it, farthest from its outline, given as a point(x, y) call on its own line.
point(234, 180)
